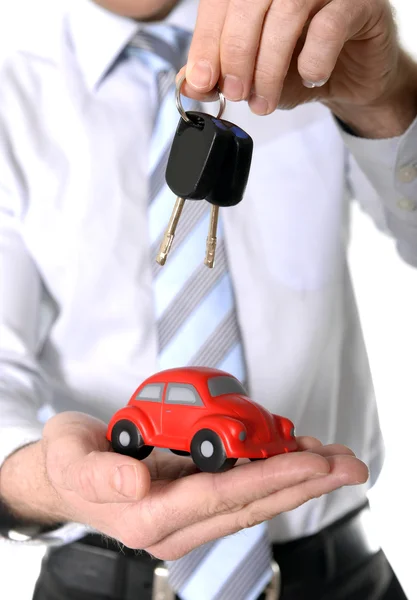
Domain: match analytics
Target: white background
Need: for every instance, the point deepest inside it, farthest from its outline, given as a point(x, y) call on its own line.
point(386, 290)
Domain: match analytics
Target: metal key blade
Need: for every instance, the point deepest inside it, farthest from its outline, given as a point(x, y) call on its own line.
point(166, 244)
point(212, 237)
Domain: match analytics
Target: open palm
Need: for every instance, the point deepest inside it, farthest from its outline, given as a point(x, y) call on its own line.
point(163, 505)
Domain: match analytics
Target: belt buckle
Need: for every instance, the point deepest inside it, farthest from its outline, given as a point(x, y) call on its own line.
point(161, 589)
point(273, 589)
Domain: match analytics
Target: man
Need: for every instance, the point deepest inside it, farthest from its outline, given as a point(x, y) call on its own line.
point(86, 316)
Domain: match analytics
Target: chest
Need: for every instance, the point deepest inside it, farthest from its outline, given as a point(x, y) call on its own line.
point(87, 228)
point(87, 174)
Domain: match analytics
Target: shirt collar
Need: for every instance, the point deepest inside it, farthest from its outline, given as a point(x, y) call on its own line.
point(99, 36)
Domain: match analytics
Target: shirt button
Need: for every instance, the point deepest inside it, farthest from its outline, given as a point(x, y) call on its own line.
point(406, 204)
point(407, 174)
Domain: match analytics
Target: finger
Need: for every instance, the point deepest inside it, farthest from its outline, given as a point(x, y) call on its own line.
point(294, 92)
point(201, 496)
point(104, 477)
point(308, 443)
point(190, 92)
point(345, 470)
point(305, 443)
point(327, 34)
point(332, 450)
point(239, 46)
point(283, 26)
point(77, 460)
point(166, 466)
point(203, 66)
point(68, 438)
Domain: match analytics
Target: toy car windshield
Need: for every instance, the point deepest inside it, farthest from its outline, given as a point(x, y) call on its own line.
point(225, 385)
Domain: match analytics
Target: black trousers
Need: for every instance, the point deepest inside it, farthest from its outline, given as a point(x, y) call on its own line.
point(324, 576)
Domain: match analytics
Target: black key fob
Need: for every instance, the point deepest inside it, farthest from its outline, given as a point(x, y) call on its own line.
point(198, 152)
point(230, 186)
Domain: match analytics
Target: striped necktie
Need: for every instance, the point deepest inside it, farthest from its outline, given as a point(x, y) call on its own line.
point(197, 323)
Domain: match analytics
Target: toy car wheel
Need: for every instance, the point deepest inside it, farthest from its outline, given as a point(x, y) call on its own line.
point(208, 453)
point(180, 452)
point(127, 439)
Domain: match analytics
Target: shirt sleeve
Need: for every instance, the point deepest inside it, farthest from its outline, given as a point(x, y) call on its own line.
point(27, 312)
point(23, 387)
point(390, 167)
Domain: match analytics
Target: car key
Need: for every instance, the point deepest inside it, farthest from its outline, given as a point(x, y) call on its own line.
point(217, 171)
point(168, 239)
point(230, 185)
point(210, 159)
point(196, 157)
point(197, 154)
point(212, 237)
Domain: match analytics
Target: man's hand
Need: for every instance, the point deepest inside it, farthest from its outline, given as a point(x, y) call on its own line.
point(162, 505)
point(282, 53)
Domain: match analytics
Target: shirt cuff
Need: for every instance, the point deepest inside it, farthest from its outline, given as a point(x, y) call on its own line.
point(33, 536)
point(14, 438)
point(391, 167)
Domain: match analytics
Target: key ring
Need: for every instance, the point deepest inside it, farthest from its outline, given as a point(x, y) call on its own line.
point(180, 107)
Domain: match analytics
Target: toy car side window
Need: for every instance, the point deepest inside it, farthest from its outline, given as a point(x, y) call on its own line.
point(183, 394)
point(151, 393)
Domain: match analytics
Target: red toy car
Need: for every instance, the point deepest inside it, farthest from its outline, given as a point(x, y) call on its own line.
point(199, 411)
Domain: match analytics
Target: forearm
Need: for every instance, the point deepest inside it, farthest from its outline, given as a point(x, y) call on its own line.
point(25, 491)
point(392, 114)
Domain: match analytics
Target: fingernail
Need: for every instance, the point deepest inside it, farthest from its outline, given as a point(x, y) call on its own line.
point(125, 481)
point(200, 75)
point(315, 84)
point(258, 104)
point(233, 88)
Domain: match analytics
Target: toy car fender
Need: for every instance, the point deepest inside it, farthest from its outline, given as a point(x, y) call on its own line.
point(232, 432)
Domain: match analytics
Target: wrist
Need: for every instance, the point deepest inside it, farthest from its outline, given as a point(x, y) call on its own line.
point(390, 115)
point(26, 494)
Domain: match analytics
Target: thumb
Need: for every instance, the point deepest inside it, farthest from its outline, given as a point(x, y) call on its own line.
point(104, 477)
point(190, 92)
point(78, 460)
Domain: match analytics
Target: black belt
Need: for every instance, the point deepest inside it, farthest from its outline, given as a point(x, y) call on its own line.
point(96, 567)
